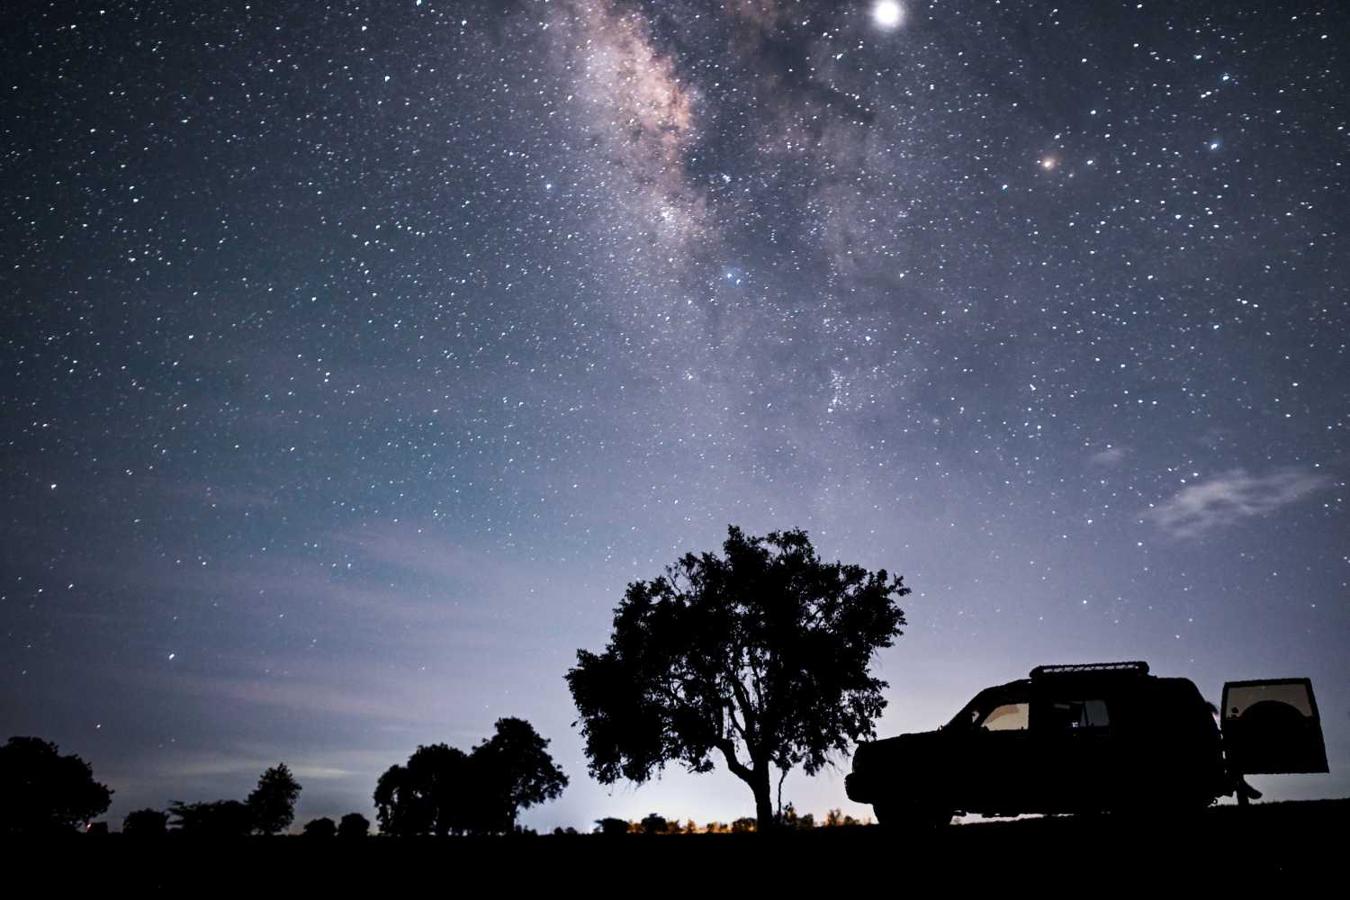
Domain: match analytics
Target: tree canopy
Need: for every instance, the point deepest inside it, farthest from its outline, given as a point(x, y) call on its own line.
point(353, 825)
point(322, 828)
point(42, 790)
point(429, 794)
point(516, 772)
point(760, 655)
point(442, 790)
point(272, 802)
point(145, 823)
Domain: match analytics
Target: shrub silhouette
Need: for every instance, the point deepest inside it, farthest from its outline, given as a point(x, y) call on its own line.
point(353, 825)
point(611, 826)
point(655, 824)
point(760, 655)
point(43, 791)
point(321, 828)
point(145, 823)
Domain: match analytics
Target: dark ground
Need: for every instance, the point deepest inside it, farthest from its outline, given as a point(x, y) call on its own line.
point(1266, 847)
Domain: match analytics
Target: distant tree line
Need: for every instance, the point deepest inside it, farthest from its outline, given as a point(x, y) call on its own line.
point(269, 809)
point(440, 790)
point(789, 820)
point(759, 658)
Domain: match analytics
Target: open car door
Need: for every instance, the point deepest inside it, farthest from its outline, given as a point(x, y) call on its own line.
point(1271, 727)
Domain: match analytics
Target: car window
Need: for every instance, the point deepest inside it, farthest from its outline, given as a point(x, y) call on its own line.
point(1007, 717)
point(1293, 693)
point(1073, 715)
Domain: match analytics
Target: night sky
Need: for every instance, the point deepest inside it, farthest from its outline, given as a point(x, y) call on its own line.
point(354, 357)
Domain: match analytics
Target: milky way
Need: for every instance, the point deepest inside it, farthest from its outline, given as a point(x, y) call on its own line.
point(355, 356)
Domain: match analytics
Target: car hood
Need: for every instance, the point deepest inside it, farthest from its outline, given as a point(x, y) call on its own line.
point(903, 748)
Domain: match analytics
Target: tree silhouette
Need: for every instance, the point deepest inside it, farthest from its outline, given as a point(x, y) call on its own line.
point(216, 819)
point(272, 802)
point(399, 807)
point(145, 823)
point(41, 790)
point(442, 790)
point(426, 795)
point(761, 655)
point(789, 819)
point(514, 771)
point(611, 826)
point(353, 825)
point(323, 828)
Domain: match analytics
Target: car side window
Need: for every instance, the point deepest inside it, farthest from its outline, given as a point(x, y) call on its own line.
point(1007, 717)
point(1076, 715)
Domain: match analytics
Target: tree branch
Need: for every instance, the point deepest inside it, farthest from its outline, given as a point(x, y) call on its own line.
point(737, 768)
point(751, 733)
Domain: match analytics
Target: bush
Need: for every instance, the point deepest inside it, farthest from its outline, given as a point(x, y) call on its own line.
point(146, 823)
point(353, 825)
point(322, 828)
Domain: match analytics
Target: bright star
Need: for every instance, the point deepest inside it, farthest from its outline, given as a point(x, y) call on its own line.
point(888, 13)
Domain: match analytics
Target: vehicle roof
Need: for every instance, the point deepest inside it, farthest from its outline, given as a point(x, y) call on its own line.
point(1109, 682)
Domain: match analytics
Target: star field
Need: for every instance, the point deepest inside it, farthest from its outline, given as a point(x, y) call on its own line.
point(355, 356)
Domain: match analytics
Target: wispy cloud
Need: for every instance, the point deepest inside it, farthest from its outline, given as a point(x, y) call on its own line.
point(1111, 456)
point(1231, 497)
point(209, 764)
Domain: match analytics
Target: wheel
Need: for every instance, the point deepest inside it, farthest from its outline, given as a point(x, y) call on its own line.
point(911, 816)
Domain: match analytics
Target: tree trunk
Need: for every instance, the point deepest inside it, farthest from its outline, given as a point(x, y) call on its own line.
point(763, 800)
point(757, 776)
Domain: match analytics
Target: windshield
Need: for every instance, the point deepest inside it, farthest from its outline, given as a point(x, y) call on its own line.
point(1002, 708)
point(971, 712)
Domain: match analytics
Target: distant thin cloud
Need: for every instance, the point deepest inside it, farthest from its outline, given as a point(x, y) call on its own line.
point(206, 765)
point(1231, 497)
point(1109, 457)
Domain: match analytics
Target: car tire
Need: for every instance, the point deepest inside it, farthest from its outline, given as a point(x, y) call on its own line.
point(910, 816)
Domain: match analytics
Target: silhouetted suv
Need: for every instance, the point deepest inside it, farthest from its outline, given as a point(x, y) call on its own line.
point(1081, 738)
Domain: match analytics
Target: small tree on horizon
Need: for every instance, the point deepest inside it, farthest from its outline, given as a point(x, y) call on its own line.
point(760, 655)
point(611, 825)
point(272, 803)
point(353, 825)
point(146, 823)
point(322, 828)
point(655, 823)
point(515, 771)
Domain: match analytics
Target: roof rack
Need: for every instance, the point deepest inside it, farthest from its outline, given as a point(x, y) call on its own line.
point(1137, 667)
